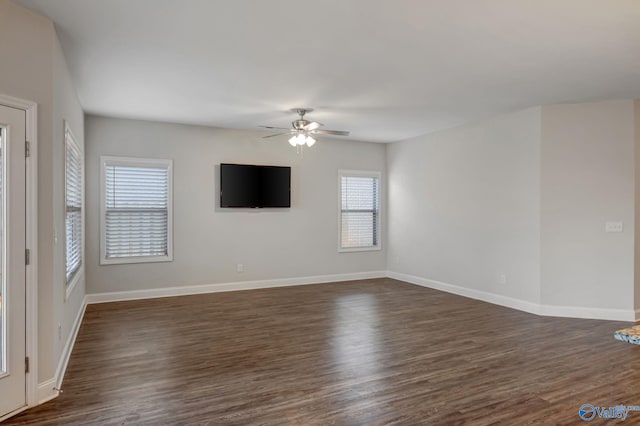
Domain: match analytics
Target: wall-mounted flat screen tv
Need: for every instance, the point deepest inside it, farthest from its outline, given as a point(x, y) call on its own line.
point(252, 186)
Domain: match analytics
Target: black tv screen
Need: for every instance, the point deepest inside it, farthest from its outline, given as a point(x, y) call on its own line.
point(244, 185)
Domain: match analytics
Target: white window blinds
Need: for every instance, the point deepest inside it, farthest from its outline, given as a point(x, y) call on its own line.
point(73, 197)
point(137, 209)
point(359, 211)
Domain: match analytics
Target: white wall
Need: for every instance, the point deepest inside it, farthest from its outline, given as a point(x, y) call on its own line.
point(526, 194)
point(34, 69)
point(464, 206)
point(66, 107)
point(26, 72)
point(209, 242)
point(588, 166)
point(637, 205)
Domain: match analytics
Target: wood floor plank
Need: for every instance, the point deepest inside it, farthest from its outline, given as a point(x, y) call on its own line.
point(359, 353)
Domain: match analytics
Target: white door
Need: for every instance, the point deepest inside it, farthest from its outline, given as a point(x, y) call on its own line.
point(12, 260)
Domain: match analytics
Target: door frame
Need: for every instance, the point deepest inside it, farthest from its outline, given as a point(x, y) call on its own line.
point(31, 344)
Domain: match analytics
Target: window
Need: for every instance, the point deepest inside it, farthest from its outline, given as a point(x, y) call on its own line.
point(136, 211)
point(359, 211)
point(74, 196)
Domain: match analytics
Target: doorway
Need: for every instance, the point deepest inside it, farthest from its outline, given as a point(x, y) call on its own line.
point(13, 260)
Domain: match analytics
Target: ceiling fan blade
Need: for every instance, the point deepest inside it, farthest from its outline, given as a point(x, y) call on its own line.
point(313, 126)
point(276, 128)
point(330, 132)
point(277, 134)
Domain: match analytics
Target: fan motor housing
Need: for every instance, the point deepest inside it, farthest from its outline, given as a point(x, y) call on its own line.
point(299, 124)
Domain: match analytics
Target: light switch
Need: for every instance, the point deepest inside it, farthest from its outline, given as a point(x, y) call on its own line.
point(613, 227)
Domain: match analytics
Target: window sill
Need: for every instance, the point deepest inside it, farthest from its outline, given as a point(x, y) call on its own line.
point(74, 282)
point(137, 259)
point(357, 249)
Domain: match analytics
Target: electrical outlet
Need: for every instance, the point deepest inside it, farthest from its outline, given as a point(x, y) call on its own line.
point(59, 331)
point(240, 268)
point(502, 278)
point(613, 227)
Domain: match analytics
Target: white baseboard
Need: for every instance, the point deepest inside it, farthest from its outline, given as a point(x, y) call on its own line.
point(234, 286)
point(47, 391)
point(588, 313)
point(496, 299)
point(521, 305)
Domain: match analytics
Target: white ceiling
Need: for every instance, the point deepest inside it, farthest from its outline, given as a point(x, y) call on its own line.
point(385, 70)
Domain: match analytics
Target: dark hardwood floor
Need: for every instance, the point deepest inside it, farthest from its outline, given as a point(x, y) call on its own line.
point(358, 353)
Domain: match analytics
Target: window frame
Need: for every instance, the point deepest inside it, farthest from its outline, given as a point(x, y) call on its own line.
point(134, 162)
point(368, 174)
point(72, 281)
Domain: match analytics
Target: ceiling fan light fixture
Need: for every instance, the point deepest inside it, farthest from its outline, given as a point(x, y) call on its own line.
point(302, 130)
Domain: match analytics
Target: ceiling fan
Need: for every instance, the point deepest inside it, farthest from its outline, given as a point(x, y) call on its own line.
point(302, 130)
